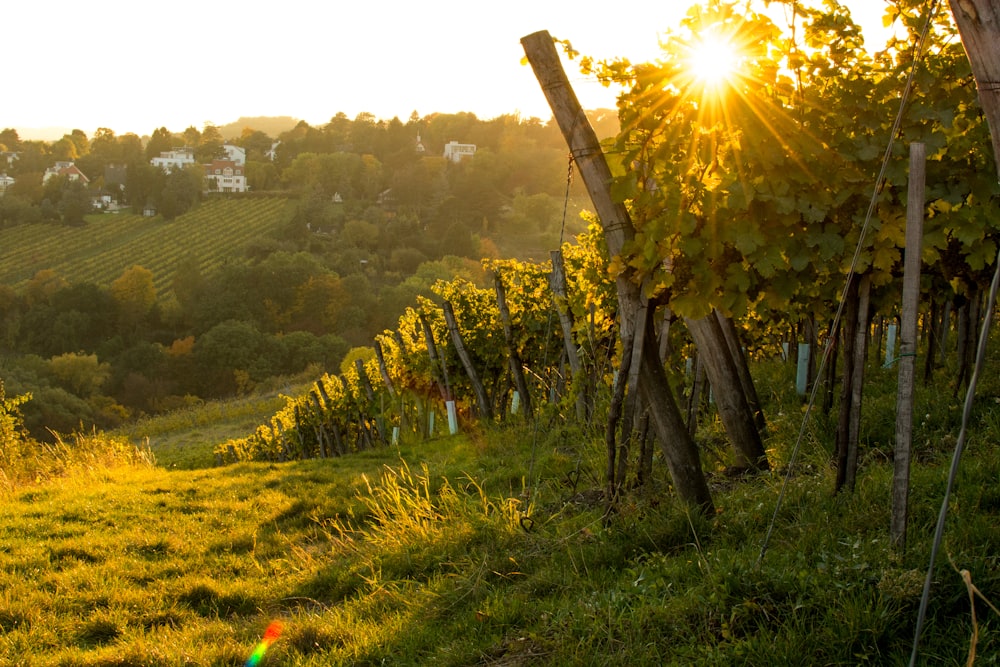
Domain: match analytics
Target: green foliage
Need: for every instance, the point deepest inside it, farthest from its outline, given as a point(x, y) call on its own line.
point(748, 196)
point(11, 424)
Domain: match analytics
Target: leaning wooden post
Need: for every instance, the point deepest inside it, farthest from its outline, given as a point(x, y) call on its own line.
point(320, 435)
point(560, 296)
point(734, 410)
point(514, 359)
point(383, 369)
point(485, 407)
point(440, 376)
point(681, 454)
point(908, 345)
point(366, 384)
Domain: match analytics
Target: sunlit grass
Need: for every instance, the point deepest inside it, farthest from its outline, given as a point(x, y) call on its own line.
point(420, 555)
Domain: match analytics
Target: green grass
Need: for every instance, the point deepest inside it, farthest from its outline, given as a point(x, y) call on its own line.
point(488, 549)
point(185, 438)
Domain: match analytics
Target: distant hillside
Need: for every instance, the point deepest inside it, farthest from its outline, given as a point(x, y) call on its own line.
point(272, 126)
point(108, 244)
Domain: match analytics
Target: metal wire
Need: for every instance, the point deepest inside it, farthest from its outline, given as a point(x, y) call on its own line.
point(850, 275)
point(956, 457)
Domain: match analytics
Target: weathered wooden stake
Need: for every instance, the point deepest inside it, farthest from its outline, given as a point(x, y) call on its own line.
point(680, 452)
point(908, 345)
point(437, 368)
point(560, 297)
point(857, 386)
point(514, 359)
point(485, 407)
point(384, 370)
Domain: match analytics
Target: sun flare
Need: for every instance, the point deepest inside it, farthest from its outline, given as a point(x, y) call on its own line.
point(713, 60)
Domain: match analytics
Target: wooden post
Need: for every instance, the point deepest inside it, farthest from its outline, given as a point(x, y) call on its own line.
point(908, 346)
point(698, 382)
point(739, 356)
point(514, 359)
point(858, 377)
point(485, 407)
point(557, 283)
point(680, 452)
point(734, 410)
point(384, 370)
point(803, 351)
point(319, 422)
point(437, 369)
point(366, 384)
point(560, 295)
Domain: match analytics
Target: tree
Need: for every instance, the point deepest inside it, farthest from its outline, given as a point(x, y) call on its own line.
point(159, 142)
point(9, 139)
point(256, 143)
point(143, 184)
point(209, 145)
point(182, 189)
point(230, 347)
point(12, 432)
point(191, 136)
point(42, 286)
point(81, 374)
point(75, 203)
point(135, 295)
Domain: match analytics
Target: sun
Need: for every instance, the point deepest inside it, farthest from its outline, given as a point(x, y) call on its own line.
point(713, 60)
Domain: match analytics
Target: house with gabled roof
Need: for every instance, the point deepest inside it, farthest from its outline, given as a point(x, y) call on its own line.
point(237, 154)
point(67, 169)
point(226, 175)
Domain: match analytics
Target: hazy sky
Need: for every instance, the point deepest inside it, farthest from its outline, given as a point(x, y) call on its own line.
point(134, 66)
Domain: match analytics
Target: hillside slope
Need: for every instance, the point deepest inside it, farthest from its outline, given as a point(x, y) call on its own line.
point(108, 244)
point(494, 548)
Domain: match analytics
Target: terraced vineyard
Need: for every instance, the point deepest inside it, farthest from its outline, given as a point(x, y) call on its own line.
point(108, 244)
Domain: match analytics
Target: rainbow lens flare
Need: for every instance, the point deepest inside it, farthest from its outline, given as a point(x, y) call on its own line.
point(270, 636)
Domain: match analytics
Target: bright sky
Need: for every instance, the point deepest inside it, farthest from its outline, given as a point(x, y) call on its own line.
point(134, 66)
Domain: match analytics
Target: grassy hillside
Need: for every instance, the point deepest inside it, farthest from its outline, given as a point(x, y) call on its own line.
point(493, 548)
point(108, 244)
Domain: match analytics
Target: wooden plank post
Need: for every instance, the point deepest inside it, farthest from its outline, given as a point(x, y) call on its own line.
point(514, 359)
point(858, 378)
point(560, 297)
point(485, 407)
point(679, 450)
point(908, 346)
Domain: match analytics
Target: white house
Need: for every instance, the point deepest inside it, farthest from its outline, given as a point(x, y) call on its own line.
point(456, 152)
point(175, 159)
point(67, 169)
point(5, 182)
point(227, 176)
point(237, 154)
